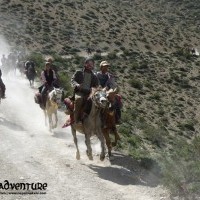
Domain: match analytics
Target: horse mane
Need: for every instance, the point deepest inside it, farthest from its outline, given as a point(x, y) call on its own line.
point(51, 94)
point(94, 90)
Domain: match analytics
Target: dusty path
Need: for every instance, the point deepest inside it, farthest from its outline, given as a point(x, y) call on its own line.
point(30, 153)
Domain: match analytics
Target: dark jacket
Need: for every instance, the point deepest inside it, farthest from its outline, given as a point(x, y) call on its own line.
point(78, 78)
point(49, 78)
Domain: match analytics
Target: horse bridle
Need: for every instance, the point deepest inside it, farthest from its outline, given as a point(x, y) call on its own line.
point(101, 95)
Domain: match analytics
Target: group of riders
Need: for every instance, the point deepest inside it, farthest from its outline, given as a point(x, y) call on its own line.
point(82, 82)
point(5, 62)
point(10, 63)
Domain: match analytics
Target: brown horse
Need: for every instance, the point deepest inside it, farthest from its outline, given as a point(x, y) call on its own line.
point(92, 125)
point(110, 128)
point(31, 74)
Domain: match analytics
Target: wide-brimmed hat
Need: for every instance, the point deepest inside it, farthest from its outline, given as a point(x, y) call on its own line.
point(50, 60)
point(104, 63)
point(47, 63)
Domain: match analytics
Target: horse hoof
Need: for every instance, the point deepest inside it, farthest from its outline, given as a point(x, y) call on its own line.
point(114, 144)
point(102, 157)
point(111, 158)
point(90, 157)
point(78, 156)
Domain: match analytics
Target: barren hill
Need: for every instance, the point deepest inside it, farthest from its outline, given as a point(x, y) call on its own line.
point(68, 26)
point(157, 74)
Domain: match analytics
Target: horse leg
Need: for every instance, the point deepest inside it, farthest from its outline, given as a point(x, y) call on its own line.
point(101, 138)
point(117, 137)
point(50, 122)
point(56, 119)
point(45, 117)
point(75, 142)
point(29, 82)
point(108, 141)
point(32, 82)
point(88, 145)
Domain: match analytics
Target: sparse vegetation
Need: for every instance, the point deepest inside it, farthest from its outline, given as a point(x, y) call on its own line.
point(157, 75)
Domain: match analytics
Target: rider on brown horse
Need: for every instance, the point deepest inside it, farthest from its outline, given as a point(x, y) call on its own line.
point(106, 80)
point(82, 82)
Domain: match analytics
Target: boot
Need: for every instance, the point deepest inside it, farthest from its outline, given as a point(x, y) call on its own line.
point(69, 121)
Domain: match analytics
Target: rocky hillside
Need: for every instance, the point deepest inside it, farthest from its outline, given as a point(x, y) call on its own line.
point(148, 45)
point(152, 36)
point(69, 26)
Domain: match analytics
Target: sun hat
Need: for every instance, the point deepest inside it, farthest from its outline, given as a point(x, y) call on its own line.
point(104, 63)
point(47, 63)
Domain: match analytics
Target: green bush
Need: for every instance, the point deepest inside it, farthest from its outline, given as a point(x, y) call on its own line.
point(155, 135)
point(136, 84)
point(181, 169)
point(38, 59)
point(112, 55)
point(65, 82)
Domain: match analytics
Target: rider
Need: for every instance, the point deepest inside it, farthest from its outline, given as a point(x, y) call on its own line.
point(3, 60)
point(29, 65)
point(82, 81)
point(55, 68)
point(48, 77)
point(2, 86)
point(107, 81)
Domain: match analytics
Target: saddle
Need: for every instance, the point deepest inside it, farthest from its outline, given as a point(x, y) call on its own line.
point(39, 99)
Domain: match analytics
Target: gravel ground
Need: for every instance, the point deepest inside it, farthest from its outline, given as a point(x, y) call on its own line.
point(29, 153)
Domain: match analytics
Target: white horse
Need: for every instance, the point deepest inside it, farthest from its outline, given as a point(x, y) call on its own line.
point(53, 102)
point(92, 125)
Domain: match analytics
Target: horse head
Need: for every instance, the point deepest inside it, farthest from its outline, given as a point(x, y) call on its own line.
point(56, 96)
point(99, 97)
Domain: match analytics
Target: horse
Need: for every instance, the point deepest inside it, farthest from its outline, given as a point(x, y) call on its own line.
point(109, 127)
point(53, 101)
point(92, 124)
point(31, 74)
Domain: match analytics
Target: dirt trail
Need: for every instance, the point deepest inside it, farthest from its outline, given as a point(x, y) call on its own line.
point(30, 153)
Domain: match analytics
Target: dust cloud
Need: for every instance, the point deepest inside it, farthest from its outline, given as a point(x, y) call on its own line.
point(5, 48)
point(21, 96)
point(20, 108)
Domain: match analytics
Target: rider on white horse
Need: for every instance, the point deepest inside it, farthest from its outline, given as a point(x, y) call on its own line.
point(48, 77)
